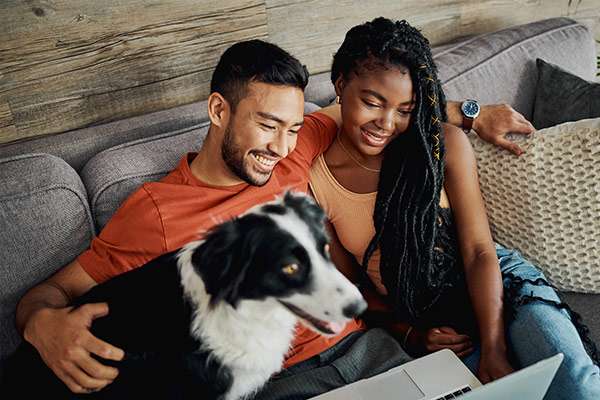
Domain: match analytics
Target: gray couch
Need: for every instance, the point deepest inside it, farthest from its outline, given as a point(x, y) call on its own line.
point(57, 192)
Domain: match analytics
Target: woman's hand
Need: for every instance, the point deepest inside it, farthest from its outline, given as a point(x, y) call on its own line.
point(493, 365)
point(434, 339)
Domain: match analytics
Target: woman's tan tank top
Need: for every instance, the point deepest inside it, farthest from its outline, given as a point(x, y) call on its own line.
point(350, 213)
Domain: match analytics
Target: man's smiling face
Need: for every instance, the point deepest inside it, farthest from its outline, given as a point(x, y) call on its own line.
point(262, 131)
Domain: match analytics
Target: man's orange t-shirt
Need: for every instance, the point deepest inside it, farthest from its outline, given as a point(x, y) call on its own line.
point(162, 216)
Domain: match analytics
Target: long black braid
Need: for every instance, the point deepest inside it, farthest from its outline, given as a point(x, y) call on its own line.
point(412, 172)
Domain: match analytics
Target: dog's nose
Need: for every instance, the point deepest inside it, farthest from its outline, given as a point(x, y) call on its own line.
point(355, 309)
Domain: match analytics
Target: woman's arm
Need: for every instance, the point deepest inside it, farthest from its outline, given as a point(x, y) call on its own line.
point(475, 241)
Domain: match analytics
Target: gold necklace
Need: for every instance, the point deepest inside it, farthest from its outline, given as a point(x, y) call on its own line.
point(354, 159)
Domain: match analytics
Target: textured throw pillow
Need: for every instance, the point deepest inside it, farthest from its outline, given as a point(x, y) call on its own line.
point(546, 203)
point(562, 97)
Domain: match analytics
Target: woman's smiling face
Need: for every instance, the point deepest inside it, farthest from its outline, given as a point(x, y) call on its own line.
point(376, 106)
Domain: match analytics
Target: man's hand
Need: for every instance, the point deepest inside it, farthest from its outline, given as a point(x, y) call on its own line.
point(495, 121)
point(492, 366)
point(434, 339)
point(62, 337)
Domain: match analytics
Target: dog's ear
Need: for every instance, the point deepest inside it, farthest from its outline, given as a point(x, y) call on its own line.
point(305, 206)
point(224, 258)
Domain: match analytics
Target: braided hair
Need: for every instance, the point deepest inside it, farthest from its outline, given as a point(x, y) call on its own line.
point(412, 171)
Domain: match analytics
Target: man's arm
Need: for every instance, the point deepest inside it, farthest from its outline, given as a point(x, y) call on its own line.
point(333, 111)
point(56, 292)
point(494, 123)
point(61, 334)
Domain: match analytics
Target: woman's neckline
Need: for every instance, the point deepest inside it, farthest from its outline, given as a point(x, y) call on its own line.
point(331, 176)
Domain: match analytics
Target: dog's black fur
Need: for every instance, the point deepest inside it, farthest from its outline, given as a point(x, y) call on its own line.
point(149, 315)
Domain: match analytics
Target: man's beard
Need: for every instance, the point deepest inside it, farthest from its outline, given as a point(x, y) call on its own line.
point(234, 159)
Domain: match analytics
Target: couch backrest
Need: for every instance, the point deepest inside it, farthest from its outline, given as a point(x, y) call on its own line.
point(45, 223)
point(500, 67)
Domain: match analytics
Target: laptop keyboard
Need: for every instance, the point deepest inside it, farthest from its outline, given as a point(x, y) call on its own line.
point(455, 394)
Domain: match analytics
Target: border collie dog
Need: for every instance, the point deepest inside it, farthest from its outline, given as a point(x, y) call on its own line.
point(215, 319)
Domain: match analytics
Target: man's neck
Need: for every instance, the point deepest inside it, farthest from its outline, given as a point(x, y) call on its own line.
point(210, 168)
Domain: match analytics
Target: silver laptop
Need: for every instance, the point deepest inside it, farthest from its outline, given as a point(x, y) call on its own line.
point(441, 376)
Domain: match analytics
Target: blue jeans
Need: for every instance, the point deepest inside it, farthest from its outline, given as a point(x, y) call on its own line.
point(540, 329)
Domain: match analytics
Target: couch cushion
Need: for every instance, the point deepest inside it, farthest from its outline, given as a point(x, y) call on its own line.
point(587, 306)
point(545, 202)
point(45, 223)
point(112, 175)
point(562, 97)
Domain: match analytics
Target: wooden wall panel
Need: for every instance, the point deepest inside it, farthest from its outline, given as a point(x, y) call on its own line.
point(312, 30)
point(68, 64)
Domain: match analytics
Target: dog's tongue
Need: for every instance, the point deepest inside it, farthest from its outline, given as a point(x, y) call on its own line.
point(336, 327)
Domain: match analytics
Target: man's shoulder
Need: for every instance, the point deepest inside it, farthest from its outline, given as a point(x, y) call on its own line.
point(314, 137)
point(318, 121)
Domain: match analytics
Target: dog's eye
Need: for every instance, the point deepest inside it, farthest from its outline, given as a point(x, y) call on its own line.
point(290, 269)
point(326, 248)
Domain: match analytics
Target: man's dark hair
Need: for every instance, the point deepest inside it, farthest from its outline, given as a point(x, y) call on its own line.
point(255, 61)
point(412, 173)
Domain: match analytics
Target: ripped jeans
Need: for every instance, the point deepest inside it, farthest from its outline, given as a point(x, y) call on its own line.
point(539, 325)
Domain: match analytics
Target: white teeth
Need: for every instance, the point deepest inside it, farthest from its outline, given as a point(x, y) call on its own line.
point(264, 161)
point(374, 137)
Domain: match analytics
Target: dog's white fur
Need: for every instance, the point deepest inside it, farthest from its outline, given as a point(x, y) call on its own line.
point(253, 338)
point(331, 287)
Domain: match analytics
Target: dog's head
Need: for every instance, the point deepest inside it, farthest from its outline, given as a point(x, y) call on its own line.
point(278, 252)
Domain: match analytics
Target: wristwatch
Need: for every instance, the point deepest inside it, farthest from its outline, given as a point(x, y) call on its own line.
point(470, 110)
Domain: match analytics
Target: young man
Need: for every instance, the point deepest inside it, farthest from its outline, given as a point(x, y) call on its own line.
point(258, 145)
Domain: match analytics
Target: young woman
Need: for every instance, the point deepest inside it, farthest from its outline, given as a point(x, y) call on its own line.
point(401, 190)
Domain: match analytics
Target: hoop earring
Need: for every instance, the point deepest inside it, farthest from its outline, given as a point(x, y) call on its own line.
point(338, 99)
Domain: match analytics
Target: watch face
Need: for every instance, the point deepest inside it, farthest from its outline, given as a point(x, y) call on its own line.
point(470, 108)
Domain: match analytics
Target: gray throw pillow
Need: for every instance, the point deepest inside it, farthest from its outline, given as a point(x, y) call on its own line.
point(563, 97)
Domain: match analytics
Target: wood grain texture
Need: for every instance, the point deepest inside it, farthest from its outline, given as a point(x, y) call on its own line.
point(68, 64)
point(312, 30)
point(7, 124)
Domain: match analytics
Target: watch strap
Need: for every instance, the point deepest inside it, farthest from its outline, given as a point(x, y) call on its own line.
point(467, 124)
